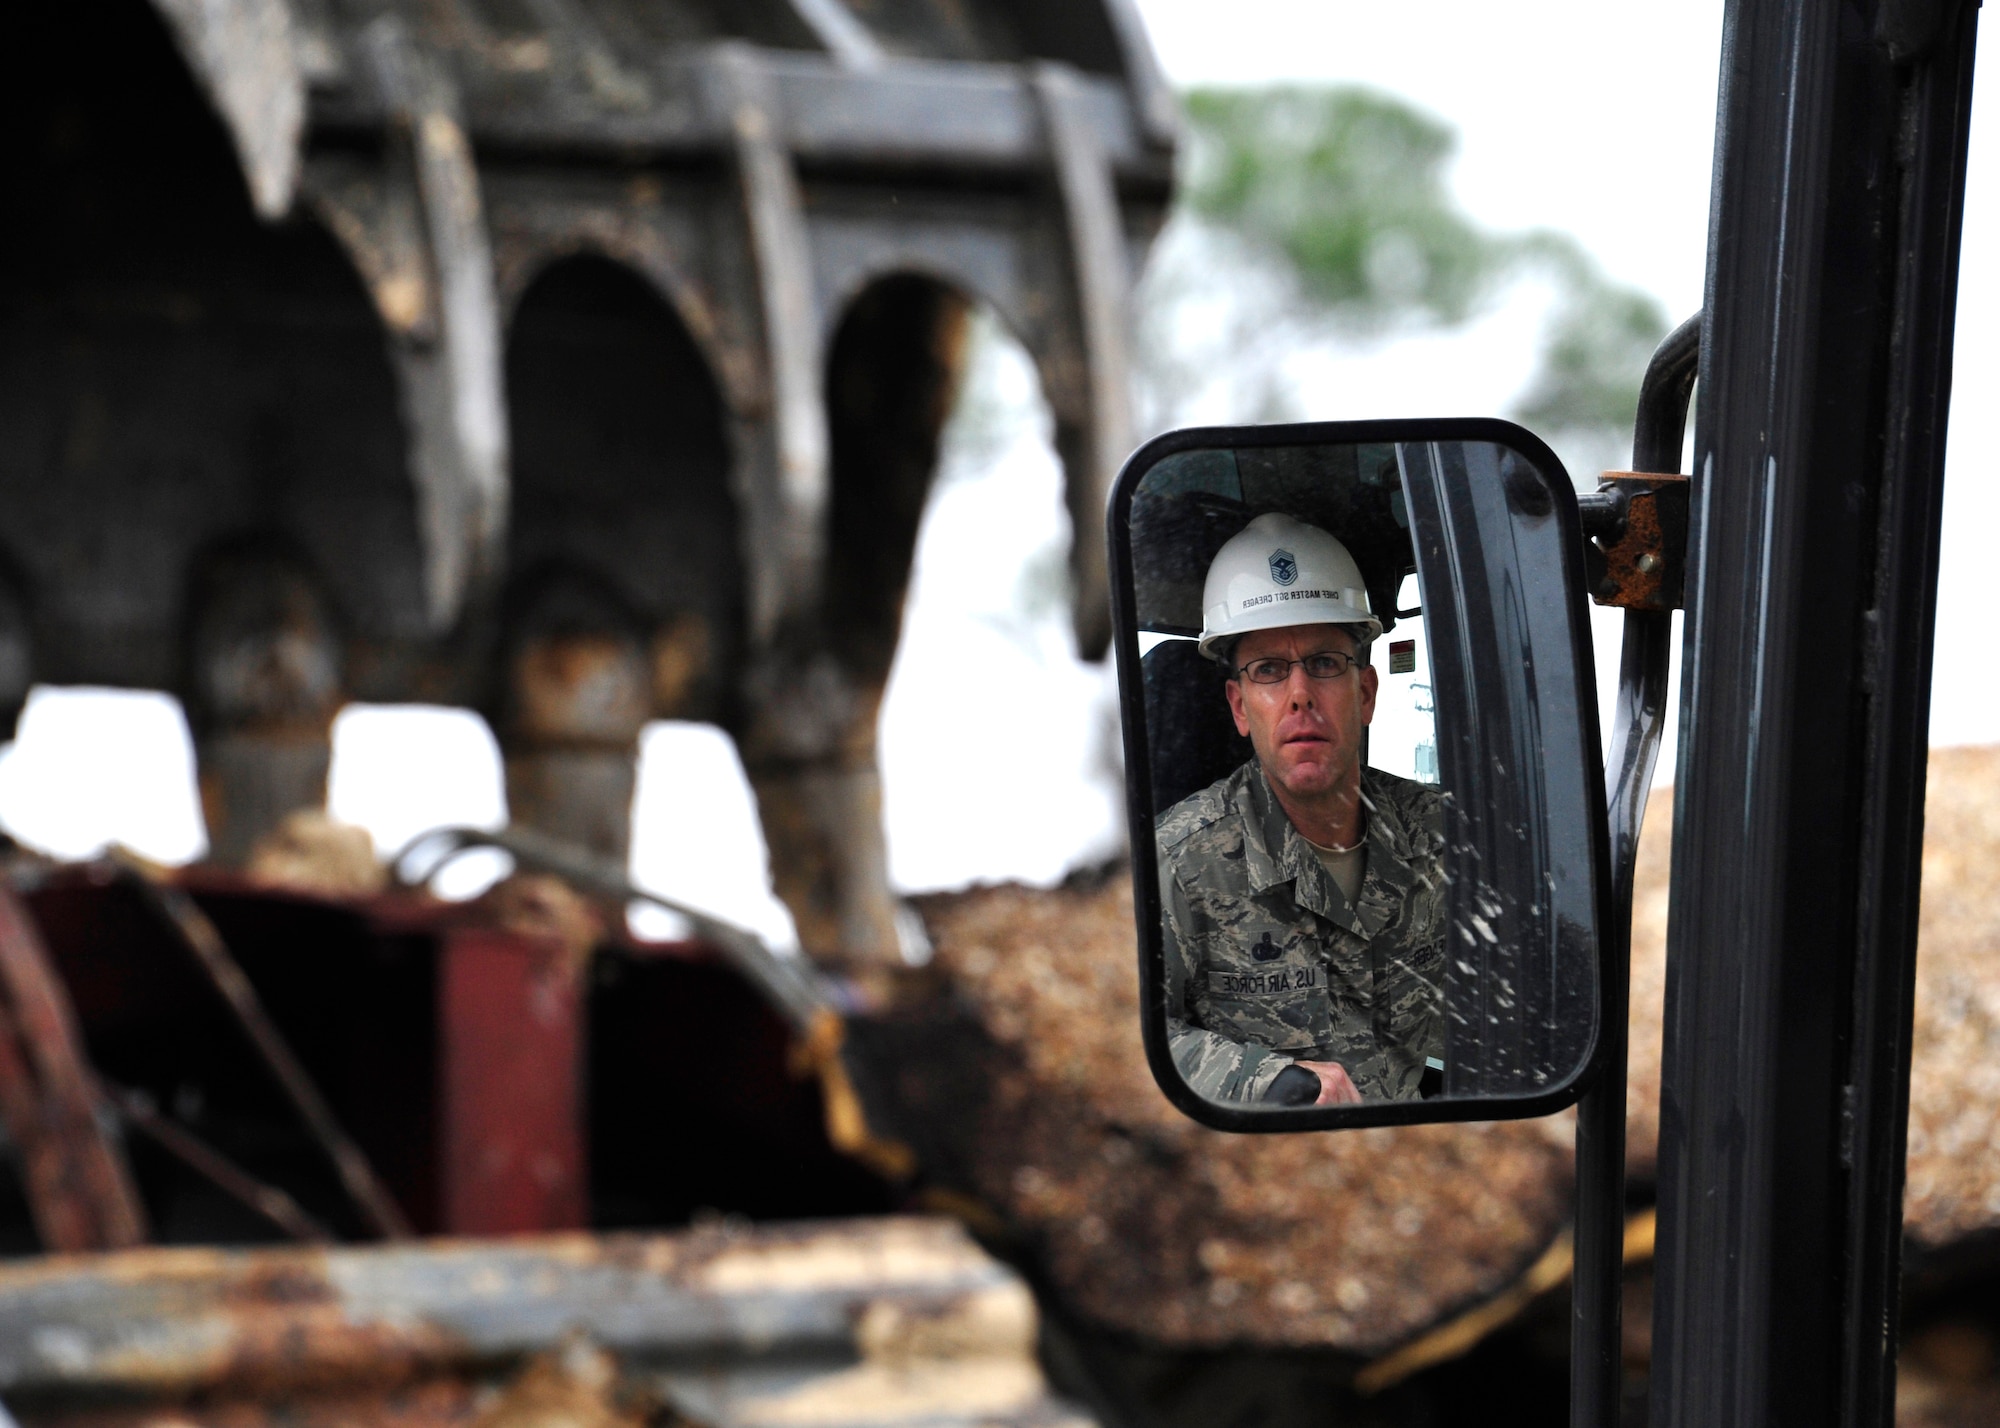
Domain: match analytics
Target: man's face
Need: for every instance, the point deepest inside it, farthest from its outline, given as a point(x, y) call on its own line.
point(1306, 731)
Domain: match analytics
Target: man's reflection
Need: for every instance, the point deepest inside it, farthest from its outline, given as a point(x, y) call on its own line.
point(1303, 895)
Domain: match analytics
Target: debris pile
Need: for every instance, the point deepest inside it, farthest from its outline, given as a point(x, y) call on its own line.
point(1649, 986)
point(1150, 1224)
point(312, 853)
point(1954, 1175)
point(1039, 1104)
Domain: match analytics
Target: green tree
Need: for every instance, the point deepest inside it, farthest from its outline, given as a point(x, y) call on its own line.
point(1340, 195)
point(1348, 185)
point(1595, 349)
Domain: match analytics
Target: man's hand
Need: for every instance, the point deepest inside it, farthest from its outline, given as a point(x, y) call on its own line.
point(1335, 1087)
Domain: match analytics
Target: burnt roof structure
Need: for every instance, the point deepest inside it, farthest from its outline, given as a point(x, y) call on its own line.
point(580, 361)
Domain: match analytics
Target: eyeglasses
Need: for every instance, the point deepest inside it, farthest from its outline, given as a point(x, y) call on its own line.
point(1331, 665)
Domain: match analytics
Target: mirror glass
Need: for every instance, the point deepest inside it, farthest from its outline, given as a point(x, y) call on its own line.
point(1362, 766)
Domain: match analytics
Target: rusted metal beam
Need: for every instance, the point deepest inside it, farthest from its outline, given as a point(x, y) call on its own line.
point(1102, 284)
point(244, 54)
point(974, 119)
point(264, 675)
point(1153, 99)
point(791, 986)
point(851, 43)
point(853, 1322)
point(78, 1187)
point(450, 367)
point(212, 955)
point(971, 119)
point(787, 556)
point(220, 1171)
point(576, 690)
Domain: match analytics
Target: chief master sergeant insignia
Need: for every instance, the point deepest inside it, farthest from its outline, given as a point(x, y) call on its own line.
point(1284, 569)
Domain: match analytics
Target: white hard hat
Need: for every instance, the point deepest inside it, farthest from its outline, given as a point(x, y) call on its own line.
point(1277, 571)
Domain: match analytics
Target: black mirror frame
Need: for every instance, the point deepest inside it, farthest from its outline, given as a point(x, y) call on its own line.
point(1138, 775)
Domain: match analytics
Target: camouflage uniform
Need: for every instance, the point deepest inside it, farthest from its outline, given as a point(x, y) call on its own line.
point(1266, 961)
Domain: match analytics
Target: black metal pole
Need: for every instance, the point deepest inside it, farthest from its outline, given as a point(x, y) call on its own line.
point(1819, 459)
point(1937, 103)
point(1596, 1371)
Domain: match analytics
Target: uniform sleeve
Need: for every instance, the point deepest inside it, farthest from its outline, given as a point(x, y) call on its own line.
point(1217, 1067)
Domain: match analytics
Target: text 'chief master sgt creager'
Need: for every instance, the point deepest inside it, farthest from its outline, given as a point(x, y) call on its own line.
point(1303, 894)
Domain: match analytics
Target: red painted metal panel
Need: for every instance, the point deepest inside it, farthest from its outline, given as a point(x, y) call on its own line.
point(511, 1094)
point(78, 1186)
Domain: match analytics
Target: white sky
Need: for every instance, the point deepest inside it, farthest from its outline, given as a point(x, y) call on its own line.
point(1592, 116)
point(1598, 117)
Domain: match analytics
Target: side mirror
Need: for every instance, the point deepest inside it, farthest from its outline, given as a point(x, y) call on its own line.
point(1362, 772)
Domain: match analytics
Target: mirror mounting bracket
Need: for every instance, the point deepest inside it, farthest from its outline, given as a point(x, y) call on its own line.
point(1636, 535)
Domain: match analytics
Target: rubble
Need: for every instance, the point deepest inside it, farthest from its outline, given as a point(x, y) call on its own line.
point(1012, 1064)
point(1649, 987)
point(310, 852)
point(1953, 1189)
point(1945, 1377)
point(1147, 1223)
point(541, 906)
point(574, 1386)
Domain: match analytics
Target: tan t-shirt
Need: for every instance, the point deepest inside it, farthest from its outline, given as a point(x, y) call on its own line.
point(1347, 867)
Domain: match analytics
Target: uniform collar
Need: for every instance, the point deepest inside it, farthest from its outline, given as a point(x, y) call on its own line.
point(1275, 852)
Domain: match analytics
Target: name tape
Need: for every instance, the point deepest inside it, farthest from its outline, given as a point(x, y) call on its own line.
point(1266, 599)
